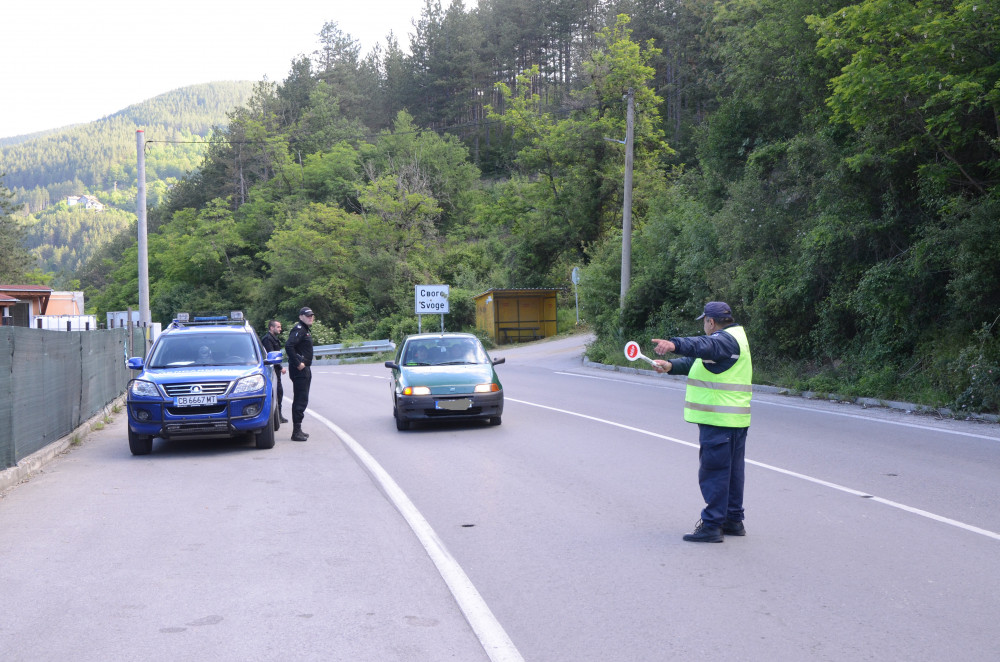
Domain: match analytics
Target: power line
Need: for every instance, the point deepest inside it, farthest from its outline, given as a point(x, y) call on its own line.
point(368, 137)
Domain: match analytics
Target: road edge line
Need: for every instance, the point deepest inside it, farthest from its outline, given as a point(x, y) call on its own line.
point(493, 638)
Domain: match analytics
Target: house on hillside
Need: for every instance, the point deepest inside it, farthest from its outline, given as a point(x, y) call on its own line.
point(88, 201)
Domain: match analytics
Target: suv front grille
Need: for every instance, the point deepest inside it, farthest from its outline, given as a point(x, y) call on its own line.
point(204, 388)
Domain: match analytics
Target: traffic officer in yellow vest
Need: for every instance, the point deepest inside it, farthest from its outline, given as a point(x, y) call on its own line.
point(719, 381)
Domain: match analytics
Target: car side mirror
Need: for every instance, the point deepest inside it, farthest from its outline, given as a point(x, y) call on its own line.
point(134, 363)
point(500, 360)
point(392, 364)
point(273, 358)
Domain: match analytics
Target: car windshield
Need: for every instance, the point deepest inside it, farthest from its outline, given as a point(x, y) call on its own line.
point(189, 349)
point(444, 351)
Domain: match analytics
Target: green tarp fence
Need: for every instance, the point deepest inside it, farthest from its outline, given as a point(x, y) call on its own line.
point(51, 382)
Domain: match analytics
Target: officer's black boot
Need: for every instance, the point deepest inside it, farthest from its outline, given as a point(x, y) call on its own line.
point(281, 417)
point(298, 434)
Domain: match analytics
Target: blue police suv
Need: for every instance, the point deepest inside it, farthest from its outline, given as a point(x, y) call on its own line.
point(204, 377)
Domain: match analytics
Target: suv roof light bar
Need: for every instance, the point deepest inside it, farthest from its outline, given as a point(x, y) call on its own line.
point(184, 319)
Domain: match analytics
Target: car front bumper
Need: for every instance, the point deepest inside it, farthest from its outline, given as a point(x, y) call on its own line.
point(431, 407)
point(229, 417)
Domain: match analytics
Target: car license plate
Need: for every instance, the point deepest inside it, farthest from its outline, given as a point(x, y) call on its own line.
point(194, 400)
point(454, 405)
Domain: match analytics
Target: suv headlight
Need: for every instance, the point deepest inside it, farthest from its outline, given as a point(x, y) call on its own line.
point(144, 389)
point(249, 384)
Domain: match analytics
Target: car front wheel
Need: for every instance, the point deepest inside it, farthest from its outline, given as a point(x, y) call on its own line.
point(265, 438)
point(401, 423)
point(139, 444)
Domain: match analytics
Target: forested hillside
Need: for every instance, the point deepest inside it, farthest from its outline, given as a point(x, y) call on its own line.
point(829, 168)
point(99, 158)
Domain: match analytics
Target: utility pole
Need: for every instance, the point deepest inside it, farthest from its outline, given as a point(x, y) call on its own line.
point(627, 204)
point(140, 146)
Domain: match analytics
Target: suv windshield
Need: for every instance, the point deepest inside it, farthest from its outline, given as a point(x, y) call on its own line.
point(188, 349)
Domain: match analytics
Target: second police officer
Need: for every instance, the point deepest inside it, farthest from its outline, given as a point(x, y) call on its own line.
point(299, 349)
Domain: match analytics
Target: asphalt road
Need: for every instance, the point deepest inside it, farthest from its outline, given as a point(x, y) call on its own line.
point(872, 535)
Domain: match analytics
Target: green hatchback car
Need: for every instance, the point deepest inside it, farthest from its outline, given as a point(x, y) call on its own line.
point(444, 376)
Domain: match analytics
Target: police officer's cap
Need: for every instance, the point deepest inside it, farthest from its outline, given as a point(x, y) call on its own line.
point(305, 310)
point(716, 310)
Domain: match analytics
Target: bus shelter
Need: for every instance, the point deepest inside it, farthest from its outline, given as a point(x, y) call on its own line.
point(517, 315)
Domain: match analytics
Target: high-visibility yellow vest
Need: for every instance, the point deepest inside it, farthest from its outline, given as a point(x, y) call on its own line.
point(721, 399)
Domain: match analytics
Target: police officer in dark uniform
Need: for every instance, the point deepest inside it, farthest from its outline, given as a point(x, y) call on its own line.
point(272, 343)
point(299, 349)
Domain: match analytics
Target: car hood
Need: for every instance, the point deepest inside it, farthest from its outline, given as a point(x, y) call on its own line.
point(198, 373)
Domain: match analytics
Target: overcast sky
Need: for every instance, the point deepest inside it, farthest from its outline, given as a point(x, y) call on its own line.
point(70, 61)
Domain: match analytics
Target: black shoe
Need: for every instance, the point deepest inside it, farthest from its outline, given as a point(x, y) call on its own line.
point(282, 419)
point(704, 533)
point(731, 528)
point(299, 435)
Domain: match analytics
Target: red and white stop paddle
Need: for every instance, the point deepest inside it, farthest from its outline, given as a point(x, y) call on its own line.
point(632, 352)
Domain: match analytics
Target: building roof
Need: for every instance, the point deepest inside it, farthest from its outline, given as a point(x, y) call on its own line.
point(41, 289)
point(519, 290)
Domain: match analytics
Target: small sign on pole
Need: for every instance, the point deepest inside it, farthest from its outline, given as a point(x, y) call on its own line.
point(575, 277)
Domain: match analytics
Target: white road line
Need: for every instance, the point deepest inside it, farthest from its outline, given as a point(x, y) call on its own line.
point(680, 385)
point(811, 479)
point(494, 639)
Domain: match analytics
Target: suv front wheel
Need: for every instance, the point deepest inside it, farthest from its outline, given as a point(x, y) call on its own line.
point(265, 438)
point(139, 444)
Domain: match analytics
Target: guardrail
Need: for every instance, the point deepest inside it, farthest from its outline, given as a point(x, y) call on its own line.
point(348, 349)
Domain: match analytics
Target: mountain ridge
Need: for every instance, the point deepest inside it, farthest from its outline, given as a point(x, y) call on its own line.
point(99, 158)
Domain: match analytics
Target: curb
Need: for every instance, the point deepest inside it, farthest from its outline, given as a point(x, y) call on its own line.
point(908, 407)
point(23, 470)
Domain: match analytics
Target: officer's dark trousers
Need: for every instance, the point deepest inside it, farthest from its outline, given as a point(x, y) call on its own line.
point(721, 473)
point(300, 394)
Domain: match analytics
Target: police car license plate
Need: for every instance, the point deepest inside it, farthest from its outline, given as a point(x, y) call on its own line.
point(194, 400)
point(454, 405)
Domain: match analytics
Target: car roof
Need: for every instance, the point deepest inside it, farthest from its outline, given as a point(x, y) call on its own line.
point(446, 334)
point(208, 329)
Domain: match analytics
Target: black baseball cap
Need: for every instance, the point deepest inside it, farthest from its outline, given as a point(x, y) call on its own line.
point(306, 310)
point(716, 309)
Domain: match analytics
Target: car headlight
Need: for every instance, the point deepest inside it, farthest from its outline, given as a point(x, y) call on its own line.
point(144, 389)
point(417, 390)
point(487, 388)
point(249, 384)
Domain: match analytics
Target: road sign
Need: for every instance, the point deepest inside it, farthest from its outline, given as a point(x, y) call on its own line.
point(431, 299)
